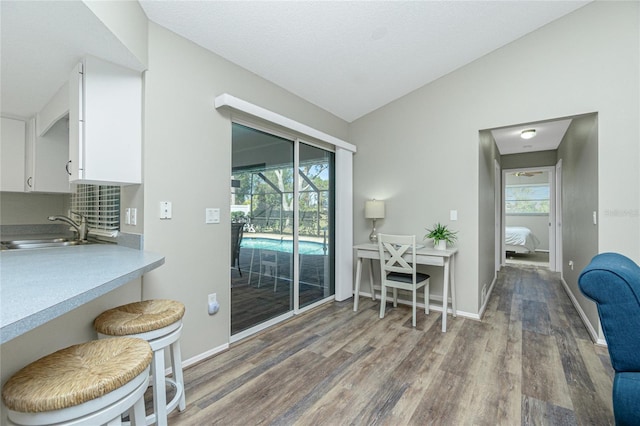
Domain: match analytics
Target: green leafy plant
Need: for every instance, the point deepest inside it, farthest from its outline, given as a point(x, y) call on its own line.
point(440, 232)
point(237, 217)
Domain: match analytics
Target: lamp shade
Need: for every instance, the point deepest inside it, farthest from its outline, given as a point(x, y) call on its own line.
point(374, 209)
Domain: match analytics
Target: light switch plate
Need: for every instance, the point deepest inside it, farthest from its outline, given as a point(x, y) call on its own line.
point(212, 215)
point(453, 215)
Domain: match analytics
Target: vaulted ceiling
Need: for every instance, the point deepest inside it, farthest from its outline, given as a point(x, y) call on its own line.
point(347, 57)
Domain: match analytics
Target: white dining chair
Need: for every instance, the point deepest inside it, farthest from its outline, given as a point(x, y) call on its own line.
point(398, 270)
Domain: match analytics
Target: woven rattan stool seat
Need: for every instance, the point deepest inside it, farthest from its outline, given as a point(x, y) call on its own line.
point(76, 374)
point(139, 317)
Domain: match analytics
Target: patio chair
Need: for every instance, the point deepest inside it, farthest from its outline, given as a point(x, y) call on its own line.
point(236, 240)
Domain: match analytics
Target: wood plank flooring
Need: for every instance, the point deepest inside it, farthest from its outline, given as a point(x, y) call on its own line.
point(252, 304)
point(529, 361)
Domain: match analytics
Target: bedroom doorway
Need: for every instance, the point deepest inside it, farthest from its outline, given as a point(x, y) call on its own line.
point(528, 219)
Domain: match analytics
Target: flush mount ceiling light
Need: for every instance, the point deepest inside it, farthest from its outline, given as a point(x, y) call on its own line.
point(528, 133)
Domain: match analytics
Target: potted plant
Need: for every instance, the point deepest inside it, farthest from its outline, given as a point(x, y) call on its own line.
point(441, 235)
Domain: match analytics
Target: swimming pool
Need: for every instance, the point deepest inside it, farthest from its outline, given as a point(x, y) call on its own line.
point(304, 247)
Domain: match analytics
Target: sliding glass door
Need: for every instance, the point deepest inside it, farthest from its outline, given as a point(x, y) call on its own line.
point(262, 227)
point(315, 224)
point(282, 227)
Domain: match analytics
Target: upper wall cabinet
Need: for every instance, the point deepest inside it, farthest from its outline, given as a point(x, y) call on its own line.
point(12, 155)
point(48, 146)
point(105, 123)
point(47, 157)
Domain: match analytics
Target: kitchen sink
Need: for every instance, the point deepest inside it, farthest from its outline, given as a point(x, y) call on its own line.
point(42, 243)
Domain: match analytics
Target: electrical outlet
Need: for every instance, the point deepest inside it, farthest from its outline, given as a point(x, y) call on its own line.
point(571, 264)
point(213, 305)
point(165, 210)
point(133, 216)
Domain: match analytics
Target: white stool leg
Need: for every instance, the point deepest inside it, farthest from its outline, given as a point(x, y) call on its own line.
point(159, 391)
point(176, 366)
point(137, 413)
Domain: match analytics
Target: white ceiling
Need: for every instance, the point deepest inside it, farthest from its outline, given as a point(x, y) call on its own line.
point(352, 57)
point(348, 57)
point(41, 42)
point(548, 136)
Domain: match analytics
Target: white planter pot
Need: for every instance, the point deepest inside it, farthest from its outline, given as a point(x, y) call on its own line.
point(442, 245)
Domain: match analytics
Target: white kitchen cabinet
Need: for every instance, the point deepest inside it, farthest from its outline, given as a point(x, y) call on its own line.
point(12, 155)
point(105, 123)
point(47, 157)
point(48, 146)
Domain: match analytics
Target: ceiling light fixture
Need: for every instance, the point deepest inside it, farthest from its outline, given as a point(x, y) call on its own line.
point(528, 133)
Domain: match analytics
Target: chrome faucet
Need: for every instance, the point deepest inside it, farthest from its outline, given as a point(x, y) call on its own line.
point(81, 228)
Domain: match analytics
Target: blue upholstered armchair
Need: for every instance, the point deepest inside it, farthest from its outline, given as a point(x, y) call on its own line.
point(613, 282)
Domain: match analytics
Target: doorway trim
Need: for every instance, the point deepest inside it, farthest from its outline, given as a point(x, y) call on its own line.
point(559, 216)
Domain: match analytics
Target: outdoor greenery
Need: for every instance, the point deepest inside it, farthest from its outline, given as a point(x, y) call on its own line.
point(527, 199)
point(269, 193)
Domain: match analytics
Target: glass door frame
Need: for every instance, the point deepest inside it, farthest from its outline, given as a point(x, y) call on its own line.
point(297, 140)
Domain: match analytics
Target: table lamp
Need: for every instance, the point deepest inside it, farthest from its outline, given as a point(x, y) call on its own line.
point(374, 209)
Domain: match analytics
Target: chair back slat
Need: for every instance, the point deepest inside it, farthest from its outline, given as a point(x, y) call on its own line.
point(399, 252)
point(396, 262)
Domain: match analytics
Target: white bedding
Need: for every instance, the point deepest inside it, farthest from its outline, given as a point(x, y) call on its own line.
point(520, 239)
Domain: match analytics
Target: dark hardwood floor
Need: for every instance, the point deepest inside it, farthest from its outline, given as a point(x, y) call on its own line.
point(529, 361)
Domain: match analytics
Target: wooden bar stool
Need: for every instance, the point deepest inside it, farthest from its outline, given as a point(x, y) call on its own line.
point(89, 384)
point(159, 322)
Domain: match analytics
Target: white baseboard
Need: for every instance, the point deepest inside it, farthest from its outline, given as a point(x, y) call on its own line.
point(592, 331)
point(488, 296)
point(196, 359)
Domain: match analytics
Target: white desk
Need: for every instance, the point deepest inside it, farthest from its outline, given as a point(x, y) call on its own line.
point(424, 256)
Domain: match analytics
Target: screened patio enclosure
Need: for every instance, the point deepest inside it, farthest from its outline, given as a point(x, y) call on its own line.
point(266, 199)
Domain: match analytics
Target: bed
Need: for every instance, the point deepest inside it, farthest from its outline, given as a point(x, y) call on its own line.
point(519, 239)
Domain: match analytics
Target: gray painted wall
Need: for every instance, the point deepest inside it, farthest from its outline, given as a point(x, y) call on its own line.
point(187, 160)
point(421, 154)
point(580, 174)
point(529, 159)
point(28, 208)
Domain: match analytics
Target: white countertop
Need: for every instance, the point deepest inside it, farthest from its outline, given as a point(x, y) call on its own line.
point(39, 285)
